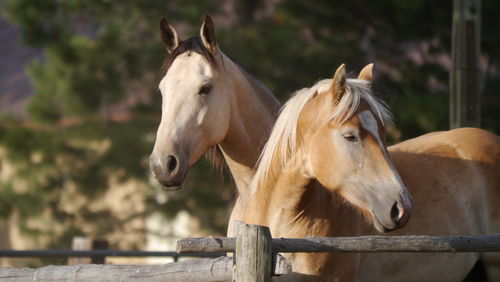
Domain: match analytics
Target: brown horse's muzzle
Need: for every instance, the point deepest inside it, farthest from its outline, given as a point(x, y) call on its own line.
point(170, 171)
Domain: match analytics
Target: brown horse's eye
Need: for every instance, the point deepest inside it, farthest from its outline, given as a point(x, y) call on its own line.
point(350, 138)
point(205, 89)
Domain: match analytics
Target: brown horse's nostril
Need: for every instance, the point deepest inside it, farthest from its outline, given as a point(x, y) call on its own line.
point(171, 164)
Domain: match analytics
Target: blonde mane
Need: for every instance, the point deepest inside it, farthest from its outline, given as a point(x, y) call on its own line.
point(282, 142)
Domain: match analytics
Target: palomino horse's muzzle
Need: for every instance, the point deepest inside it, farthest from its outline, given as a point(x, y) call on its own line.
point(396, 217)
point(170, 171)
point(404, 211)
point(400, 213)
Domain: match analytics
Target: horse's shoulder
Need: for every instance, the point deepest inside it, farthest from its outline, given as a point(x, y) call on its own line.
point(464, 143)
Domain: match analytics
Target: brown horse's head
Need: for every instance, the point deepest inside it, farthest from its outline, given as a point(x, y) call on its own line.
point(195, 107)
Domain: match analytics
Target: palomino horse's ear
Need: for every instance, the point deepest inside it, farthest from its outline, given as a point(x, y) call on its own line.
point(366, 73)
point(168, 35)
point(207, 34)
point(338, 84)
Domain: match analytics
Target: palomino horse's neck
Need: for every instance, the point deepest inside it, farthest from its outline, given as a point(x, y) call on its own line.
point(253, 112)
point(295, 206)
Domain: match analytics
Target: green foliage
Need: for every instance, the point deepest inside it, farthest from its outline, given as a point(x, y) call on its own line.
point(97, 54)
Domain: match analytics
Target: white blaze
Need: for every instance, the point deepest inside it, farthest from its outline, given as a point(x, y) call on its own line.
point(369, 123)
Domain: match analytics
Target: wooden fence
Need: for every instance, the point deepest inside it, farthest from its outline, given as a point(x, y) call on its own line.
point(255, 257)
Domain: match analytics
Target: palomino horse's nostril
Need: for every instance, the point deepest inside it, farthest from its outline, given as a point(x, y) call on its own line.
point(395, 213)
point(171, 164)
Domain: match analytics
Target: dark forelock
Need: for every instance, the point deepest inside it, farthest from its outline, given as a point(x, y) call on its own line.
point(193, 44)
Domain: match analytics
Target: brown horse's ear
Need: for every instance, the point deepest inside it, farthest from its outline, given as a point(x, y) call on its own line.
point(366, 73)
point(207, 34)
point(338, 84)
point(168, 35)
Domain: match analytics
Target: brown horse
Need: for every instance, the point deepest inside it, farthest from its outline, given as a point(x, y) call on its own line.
point(210, 105)
point(326, 146)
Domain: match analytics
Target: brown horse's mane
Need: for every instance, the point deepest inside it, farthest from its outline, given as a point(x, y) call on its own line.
point(193, 44)
point(215, 157)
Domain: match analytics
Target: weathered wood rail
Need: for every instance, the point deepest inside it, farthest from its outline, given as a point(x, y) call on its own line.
point(369, 244)
point(218, 269)
point(63, 253)
point(255, 257)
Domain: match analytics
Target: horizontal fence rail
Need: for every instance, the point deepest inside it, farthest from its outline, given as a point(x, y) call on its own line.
point(98, 253)
point(372, 244)
point(218, 269)
point(214, 269)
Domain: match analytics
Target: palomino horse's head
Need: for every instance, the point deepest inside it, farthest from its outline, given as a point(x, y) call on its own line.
point(343, 138)
point(195, 104)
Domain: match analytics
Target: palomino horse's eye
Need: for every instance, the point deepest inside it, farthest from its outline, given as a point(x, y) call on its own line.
point(205, 89)
point(350, 138)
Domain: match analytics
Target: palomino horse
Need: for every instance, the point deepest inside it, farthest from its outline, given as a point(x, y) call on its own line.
point(327, 146)
point(211, 105)
point(453, 176)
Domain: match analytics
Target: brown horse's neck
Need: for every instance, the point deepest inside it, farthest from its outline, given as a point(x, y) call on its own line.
point(253, 112)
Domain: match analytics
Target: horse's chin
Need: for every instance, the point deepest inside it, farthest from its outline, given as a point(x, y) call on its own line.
point(173, 187)
point(379, 226)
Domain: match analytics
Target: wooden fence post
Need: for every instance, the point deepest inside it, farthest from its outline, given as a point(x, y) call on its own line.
point(99, 244)
point(465, 96)
point(81, 243)
point(253, 255)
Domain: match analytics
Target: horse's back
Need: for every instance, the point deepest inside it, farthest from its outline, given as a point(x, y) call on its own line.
point(474, 144)
point(465, 143)
point(470, 154)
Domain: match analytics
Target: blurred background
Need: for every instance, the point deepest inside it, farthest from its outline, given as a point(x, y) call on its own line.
point(79, 101)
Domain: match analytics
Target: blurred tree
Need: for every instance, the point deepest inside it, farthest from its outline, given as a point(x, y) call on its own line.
point(100, 55)
point(84, 134)
point(299, 42)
